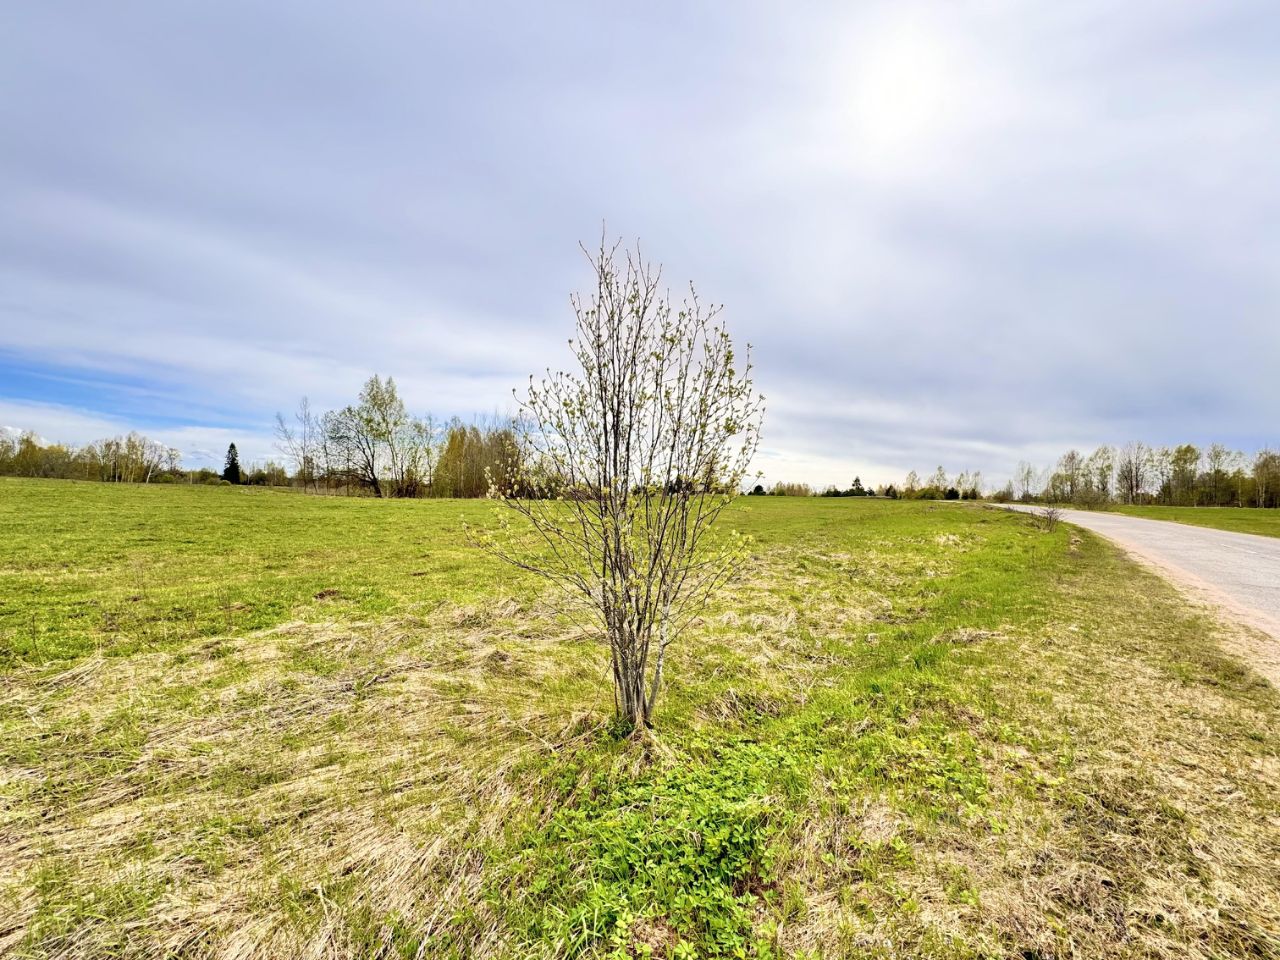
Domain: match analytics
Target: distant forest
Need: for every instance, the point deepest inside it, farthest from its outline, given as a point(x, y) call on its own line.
point(372, 447)
point(375, 447)
point(131, 459)
point(963, 486)
point(1181, 476)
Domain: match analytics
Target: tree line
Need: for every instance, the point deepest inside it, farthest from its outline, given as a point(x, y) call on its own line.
point(376, 447)
point(1138, 473)
point(966, 485)
point(133, 458)
point(129, 459)
point(373, 446)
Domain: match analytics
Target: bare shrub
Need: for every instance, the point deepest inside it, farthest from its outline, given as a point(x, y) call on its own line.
point(1049, 516)
point(626, 464)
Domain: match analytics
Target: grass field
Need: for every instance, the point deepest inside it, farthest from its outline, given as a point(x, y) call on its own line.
point(1265, 523)
point(248, 724)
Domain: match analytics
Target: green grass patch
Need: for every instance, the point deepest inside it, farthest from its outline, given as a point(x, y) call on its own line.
point(115, 569)
point(907, 730)
point(1264, 523)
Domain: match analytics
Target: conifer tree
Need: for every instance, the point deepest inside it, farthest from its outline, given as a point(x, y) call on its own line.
point(231, 470)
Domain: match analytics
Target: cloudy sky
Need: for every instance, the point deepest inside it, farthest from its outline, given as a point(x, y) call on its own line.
point(958, 233)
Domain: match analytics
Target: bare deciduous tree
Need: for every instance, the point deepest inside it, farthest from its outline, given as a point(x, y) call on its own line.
point(1219, 461)
point(939, 480)
point(1133, 468)
point(354, 447)
point(626, 464)
point(300, 442)
point(1025, 479)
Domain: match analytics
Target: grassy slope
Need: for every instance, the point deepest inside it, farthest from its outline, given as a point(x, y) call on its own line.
point(1262, 522)
point(910, 730)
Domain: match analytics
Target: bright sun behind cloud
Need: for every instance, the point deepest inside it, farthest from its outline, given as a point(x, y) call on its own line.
point(906, 94)
point(900, 91)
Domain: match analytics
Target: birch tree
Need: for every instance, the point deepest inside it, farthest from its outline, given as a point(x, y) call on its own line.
point(1266, 476)
point(1100, 467)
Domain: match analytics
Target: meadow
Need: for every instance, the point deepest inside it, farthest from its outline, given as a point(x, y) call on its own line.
point(252, 724)
point(1265, 523)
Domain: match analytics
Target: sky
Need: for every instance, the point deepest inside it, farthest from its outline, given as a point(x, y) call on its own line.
point(957, 233)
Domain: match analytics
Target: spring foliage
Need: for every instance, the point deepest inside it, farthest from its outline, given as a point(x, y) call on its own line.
point(627, 462)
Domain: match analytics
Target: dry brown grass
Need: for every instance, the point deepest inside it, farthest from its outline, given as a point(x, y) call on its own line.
point(383, 758)
point(344, 790)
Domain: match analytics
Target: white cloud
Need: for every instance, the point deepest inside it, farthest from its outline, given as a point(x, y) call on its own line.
point(971, 232)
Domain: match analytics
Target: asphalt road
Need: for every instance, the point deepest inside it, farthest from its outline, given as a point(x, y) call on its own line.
point(1237, 571)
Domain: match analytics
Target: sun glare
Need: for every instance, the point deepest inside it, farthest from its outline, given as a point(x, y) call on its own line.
point(900, 95)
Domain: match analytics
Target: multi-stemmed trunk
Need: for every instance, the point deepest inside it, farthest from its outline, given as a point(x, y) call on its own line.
point(637, 666)
point(628, 648)
point(626, 463)
point(632, 699)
